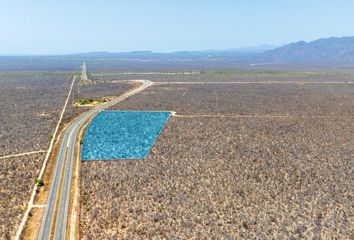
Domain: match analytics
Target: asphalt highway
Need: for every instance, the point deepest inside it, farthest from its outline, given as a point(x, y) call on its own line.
point(54, 222)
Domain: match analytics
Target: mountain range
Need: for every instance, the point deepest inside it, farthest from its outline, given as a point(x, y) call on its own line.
point(324, 51)
point(331, 52)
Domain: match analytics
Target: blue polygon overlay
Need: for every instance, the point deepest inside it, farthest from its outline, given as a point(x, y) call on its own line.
point(122, 134)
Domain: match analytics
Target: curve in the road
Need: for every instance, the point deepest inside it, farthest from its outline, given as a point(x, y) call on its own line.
point(54, 222)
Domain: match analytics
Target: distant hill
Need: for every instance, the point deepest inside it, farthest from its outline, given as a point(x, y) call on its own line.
point(323, 51)
point(328, 52)
point(207, 54)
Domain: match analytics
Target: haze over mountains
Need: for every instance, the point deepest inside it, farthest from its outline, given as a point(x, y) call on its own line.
point(332, 52)
point(326, 50)
point(322, 51)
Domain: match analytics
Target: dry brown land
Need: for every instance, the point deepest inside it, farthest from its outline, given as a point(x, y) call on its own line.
point(31, 231)
point(93, 90)
point(30, 107)
point(247, 99)
point(232, 177)
point(16, 181)
point(31, 104)
point(96, 90)
point(235, 76)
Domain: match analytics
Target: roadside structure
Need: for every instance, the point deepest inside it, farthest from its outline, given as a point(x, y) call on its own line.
point(84, 72)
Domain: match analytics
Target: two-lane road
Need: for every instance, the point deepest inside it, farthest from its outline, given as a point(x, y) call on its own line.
point(54, 223)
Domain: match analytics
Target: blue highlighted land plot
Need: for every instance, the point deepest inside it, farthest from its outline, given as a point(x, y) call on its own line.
point(122, 134)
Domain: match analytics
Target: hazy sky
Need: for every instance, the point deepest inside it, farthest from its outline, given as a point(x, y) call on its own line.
point(63, 26)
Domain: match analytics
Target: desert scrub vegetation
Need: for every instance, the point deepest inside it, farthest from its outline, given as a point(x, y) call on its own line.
point(92, 93)
point(17, 176)
point(100, 89)
point(236, 76)
point(30, 108)
point(231, 177)
point(227, 178)
point(31, 103)
point(246, 99)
